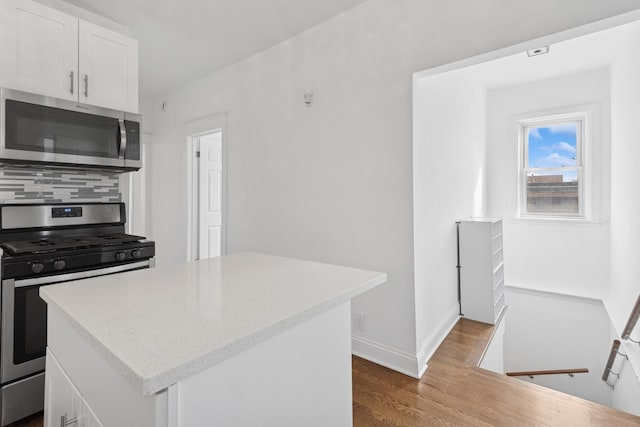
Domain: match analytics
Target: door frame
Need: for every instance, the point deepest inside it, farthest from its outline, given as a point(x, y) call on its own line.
point(191, 131)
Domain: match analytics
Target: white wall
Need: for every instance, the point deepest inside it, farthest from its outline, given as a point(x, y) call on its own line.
point(330, 182)
point(551, 331)
point(136, 187)
point(334, 182)
point(493, 357)
point(142, 184)
point(562, 256)
point(449, 184)
point(625, 198)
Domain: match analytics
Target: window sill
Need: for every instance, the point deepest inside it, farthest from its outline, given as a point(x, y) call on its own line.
point(554, 220)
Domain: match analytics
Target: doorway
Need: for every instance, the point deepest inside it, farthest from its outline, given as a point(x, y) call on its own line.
point(206, 192)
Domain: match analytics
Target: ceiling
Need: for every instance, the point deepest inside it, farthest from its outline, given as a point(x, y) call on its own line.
point(592, 51)
point(182, 40)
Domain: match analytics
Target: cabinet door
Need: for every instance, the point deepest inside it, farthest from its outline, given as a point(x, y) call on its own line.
point(38, 49)
point(108, 66)
point(60, 396)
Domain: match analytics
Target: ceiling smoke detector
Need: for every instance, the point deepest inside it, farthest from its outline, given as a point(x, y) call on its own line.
point(538, 51)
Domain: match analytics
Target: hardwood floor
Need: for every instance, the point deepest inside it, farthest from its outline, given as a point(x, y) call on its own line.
point(454, 392)
point(33, 421)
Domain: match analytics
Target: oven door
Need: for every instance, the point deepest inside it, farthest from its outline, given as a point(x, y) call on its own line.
point(24, 319)
point(40, 129)
point(24, 331)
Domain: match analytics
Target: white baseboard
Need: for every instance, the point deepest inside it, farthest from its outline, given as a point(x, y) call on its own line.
point(437, 335)
point(388, 357)
point(412, 365)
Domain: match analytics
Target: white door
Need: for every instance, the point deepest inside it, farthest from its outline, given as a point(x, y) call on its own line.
point(108, 68)
point(38, 49)
point(210, 196)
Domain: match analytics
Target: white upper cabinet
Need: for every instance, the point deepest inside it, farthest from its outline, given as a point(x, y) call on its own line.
point(108, 68)
point(39, 49)
point(51, 53)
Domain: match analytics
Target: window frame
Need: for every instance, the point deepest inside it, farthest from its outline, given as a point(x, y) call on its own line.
point(582, 119)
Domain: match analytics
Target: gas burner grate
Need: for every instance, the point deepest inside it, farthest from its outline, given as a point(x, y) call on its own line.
point(58, 243)
point(43, 243)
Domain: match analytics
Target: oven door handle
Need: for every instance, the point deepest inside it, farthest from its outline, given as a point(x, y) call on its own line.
point(82, 274)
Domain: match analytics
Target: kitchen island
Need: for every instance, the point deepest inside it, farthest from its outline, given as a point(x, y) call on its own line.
point(246, 339)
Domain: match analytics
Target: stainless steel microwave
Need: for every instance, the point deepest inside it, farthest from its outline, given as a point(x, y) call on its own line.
point(38, 129)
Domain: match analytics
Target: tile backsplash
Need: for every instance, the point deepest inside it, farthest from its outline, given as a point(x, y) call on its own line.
point(50, 184)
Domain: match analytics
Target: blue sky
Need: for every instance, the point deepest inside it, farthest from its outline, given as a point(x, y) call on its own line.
point(553, 146)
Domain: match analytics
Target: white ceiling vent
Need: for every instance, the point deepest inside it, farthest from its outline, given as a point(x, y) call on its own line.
point(538, 51)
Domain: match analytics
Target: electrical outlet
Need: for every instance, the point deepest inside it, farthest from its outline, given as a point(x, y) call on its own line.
point(359, 322)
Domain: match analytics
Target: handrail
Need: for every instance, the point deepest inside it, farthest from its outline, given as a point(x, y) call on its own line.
point(631, 323)
point(615, 351)
point(532, 374)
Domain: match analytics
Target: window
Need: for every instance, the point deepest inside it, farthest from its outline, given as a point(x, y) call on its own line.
point(552, 166)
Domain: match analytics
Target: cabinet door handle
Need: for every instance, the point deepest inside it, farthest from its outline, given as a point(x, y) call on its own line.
point(64, 422)
point(86, 85)
point(71, 79)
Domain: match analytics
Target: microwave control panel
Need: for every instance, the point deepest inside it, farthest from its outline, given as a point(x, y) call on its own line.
point(133, 140)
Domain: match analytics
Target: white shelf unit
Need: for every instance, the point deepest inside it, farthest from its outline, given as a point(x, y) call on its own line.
point(482, 269)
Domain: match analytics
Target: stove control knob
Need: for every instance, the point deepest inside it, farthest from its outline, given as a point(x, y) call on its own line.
point(59, 264)
point(135, 254)
point(121, 256)
point(37, 267)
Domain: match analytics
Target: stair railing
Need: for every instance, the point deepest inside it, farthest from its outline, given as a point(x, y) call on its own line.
point(532, 374)
point(631, 323)
point(613, 354)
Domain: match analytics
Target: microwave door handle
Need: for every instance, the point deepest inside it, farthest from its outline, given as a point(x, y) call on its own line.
point(123, 139)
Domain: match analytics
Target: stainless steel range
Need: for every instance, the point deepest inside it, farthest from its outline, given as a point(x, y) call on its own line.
point(45, 244)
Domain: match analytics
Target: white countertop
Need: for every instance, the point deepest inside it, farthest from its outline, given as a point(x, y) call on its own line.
point(161, 325)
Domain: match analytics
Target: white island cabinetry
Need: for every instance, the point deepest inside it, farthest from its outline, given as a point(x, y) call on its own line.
point(65, 405)
point(246, 339)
